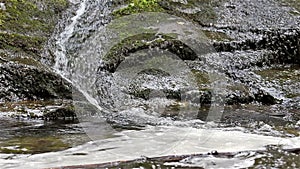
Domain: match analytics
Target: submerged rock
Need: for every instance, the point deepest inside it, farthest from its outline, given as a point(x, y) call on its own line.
point(47, 110)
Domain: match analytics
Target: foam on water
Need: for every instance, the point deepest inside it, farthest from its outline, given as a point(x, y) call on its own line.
point(152, 142)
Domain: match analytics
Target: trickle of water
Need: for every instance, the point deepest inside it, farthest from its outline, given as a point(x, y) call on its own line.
point(89, 16)
point(61, 60)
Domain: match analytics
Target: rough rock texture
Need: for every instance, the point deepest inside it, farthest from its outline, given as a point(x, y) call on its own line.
point(25, 26)
point(19, 81)
point(248, 36)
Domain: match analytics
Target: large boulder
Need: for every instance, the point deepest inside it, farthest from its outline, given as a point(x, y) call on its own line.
point(20, 81)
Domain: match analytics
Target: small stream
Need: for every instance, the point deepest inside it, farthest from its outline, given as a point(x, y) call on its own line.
point(123, 114)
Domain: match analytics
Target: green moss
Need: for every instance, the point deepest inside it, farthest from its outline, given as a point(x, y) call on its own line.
point(132, 44)
point(58, 5)
point(2, 16)
point(146, 164)
point(27, 61)
point(20, 106)
point(285, 77)
point(12, 151)
point(138, 42)
point(203, 12)
point(294, 13)
point(217, 36)
point(26, 17)
point(33, 145)
point(293, 4)
point(18, 42)
point(276, 157)
point(281, 75)
point(138, 6)
point(173, 110)
point(288, 130)
point(26, 24)
point(201, 78)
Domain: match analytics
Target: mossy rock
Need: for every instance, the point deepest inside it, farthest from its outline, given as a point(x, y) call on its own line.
point(39, 109)
point(27, 61)
point(25, 25)
point(139, 6)
point(146, 41)
point(155, 72)
point(201, 78)
point(63, 112)
point(19, 82)
point(182, 110)
point(289, 130)
point(203, 11)
point(293, 4)
point(203, 14)
point(217, 36)
point(151, 31)
point(30, 17)
point(21, 44)
point(287, 79)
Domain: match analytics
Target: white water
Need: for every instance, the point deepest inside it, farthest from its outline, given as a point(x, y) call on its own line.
point(61, 60)
point(152, 142)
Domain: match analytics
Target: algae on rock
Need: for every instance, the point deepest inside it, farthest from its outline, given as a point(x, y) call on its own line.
point(25, 26)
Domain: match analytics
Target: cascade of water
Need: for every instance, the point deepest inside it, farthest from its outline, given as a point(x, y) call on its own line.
point(83, 44)
point(89, 16)
point(61, 60)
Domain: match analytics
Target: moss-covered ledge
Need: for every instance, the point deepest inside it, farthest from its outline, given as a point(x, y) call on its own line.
point(20, 81)
point(142, 41)
point(25, 26)
point(138, 6)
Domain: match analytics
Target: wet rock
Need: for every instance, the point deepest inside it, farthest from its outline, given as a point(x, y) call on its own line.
point(202, 12)
point(25, 27)
point(248, 37)
point(139, 42)
point(61, 112)
point(19, 82)
point(40, 110)
point(248, 25)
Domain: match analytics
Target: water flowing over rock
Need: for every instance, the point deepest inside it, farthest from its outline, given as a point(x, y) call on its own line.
point(245, 42)
point(25, 27)
point(139, 73)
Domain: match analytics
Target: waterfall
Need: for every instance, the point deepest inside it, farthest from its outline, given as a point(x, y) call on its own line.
point(61, 61)
point(88, 16)
point(82, 45)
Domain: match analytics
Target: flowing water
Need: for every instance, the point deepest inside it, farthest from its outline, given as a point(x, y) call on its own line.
point(113, 125)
